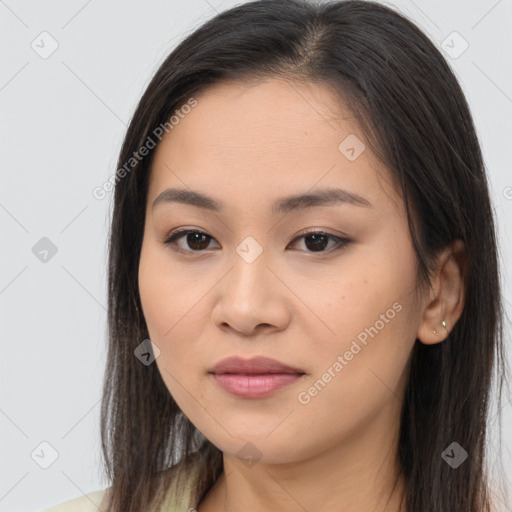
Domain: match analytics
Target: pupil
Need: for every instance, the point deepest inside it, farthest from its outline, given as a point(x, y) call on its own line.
point(194, 243)
point(316, 238)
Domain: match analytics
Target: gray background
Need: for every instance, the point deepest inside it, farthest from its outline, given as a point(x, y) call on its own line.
point(62, 119)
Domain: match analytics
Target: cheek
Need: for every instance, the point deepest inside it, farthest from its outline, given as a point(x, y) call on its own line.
point(367, 330)
point(167, 295)
point(363, 292)
point(174, 314)
point(156, 299)
point(361, 371)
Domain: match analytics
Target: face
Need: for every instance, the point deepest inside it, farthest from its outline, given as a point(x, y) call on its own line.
point(254, 280)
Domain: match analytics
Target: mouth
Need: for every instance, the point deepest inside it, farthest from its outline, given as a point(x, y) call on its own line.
point(257, 377)
point(254, 385)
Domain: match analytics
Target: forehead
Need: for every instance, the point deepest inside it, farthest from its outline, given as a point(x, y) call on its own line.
point(236, 118)
point(269, 137)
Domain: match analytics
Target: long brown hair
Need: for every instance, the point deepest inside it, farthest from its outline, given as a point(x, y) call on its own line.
point(413, 111)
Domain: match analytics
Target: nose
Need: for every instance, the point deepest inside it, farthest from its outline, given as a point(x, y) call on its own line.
point(252, 298)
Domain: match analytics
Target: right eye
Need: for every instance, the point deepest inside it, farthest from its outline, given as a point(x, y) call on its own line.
point(196, 240)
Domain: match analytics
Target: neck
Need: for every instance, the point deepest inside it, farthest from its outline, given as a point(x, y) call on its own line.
point(359, 474)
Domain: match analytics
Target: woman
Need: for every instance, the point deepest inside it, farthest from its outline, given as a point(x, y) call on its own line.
point(304, 303)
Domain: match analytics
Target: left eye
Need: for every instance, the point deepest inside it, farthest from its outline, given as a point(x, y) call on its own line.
point(198, 240)
point(317, 241)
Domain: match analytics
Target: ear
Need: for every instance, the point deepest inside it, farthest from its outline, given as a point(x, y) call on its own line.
point(446, 298)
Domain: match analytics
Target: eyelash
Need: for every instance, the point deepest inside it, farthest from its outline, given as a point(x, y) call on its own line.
point(342, 242)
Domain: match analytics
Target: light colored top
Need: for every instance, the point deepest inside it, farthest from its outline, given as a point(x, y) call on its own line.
point(86, 503)
point(186, 500)
point(180, 500)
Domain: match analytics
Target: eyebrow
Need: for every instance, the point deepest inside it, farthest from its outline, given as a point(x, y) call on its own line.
point(324, 197)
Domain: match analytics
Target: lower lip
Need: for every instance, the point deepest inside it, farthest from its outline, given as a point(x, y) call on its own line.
point(254, 385)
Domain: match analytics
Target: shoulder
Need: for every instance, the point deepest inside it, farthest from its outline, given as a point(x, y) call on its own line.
point(181, 493)
point(87, 503)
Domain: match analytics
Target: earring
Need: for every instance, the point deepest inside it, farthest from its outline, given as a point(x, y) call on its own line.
point(443, 323)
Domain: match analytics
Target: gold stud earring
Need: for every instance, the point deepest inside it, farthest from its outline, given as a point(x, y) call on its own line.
point(443, 323)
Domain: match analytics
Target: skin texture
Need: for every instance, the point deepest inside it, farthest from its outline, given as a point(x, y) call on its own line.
point(247, 146)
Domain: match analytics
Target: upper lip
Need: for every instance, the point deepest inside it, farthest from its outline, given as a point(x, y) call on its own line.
point(253, 365)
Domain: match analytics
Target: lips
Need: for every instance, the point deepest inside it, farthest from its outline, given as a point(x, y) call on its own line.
point(255, 365)
point(258, 377)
